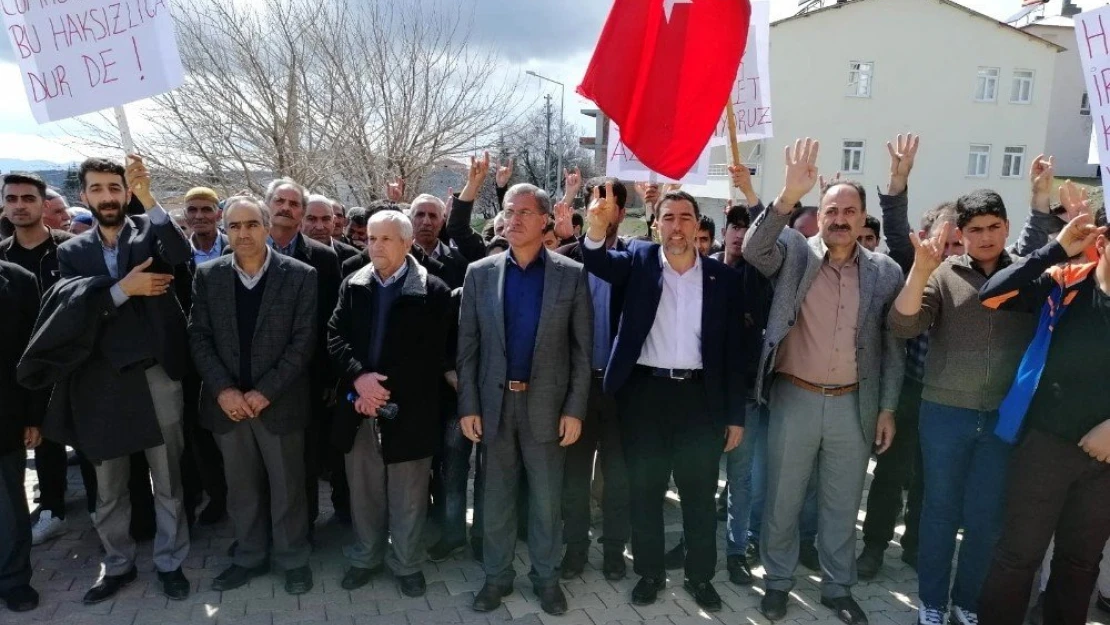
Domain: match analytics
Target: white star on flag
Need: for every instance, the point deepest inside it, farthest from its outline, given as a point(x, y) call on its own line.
point(668, 7)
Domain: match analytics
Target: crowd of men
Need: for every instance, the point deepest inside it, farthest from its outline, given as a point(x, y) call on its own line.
point(287, 340)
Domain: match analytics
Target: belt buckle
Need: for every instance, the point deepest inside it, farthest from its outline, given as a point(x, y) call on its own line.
point(827, 391)
point(516, 386)
point(680, 378)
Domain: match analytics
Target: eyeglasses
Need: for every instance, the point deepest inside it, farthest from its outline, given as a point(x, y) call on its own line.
point(523, 214)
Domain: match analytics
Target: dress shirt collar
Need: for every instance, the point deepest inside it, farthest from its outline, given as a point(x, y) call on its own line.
point(666, 264)
point(216, 249)
point(123, 230)
point(248, 280)
point(397, 275)
point(539, 260)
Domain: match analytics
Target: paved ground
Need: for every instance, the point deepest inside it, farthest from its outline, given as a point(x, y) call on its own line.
point(66, 567)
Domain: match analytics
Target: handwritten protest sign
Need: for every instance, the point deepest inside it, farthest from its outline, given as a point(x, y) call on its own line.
point(751, 95)
point(1092, 34)
point(621, 163)
point(77, 57)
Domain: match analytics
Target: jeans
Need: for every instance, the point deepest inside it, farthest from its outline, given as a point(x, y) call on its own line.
point(755, 431)
point(1054, 487)
point(454, 472)
point(738, 468)
point(965, 486)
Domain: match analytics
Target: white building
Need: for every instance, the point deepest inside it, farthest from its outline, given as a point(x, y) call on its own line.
point(855, 74)
point(1069, 122)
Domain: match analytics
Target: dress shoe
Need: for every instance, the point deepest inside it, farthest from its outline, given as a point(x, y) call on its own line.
point(846, 609)
point(773, 605)
point(613, 566)
point(647, 590)
point(213, 513)
point(21, 599)
point(489, 597)
point(413, 585)
point(870, 562)
point(808, 556)
point(552, 600)
point(108, 586)
point(235, 576)
point(704, 594)
point(174, 584)
point(357, 577)
point(738, 571)
point(574, 562)
point(443, 551)
point(675, 559)
point(298, 581)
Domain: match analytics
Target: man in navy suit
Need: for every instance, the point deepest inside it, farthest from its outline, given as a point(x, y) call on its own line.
point(676, 369)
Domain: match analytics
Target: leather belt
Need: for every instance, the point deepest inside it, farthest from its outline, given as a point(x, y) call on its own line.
point(599, 374)
point(516, 387)
point(680, 375)
point(824, 391)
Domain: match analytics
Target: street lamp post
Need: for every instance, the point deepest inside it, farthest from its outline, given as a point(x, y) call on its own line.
point(562, 125)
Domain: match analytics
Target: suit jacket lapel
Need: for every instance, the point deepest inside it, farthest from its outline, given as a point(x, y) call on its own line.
point(497, 273)
point(124, 244)
point(225, 288)
point(274, 281)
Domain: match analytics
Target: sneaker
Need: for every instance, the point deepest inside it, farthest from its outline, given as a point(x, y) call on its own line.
point(930, 616)
point(964, 617)
point(48, 527)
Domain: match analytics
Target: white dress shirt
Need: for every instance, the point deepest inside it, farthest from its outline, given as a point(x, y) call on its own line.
point(248, 280)
point(675, 338)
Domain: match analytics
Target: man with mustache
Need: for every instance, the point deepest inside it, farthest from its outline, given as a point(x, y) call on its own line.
point(202, 213)
point(319, 225)
point(287, 201)
point(429, 215)
point(831, 371)
point(143, 335)
point(676, 369)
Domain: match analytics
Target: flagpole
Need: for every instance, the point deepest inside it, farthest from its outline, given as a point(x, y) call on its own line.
point(733, 145)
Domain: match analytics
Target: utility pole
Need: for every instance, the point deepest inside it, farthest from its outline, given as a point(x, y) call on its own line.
point(547, 146)
point(562, 127)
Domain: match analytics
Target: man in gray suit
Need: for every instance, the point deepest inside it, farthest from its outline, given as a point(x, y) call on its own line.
point(525, 335)
point(252, 332)
point(831, 370)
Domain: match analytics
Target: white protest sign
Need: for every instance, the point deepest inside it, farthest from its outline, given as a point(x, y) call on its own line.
point(1092, 34)
point(622, 164)
point(751, 95)
point(1092, 151)
point(80, 57)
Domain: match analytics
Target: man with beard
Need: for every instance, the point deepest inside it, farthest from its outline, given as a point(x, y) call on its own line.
point(319, 225)
point(34, 246)
point(676, 370)
point(832, 380)
point(429, 215)
point(144, 332)
point(54, 213)
point(287, 201)
point(202, 213)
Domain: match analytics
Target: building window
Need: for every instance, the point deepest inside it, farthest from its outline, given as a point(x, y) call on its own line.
point(1013, 162)
point(978, 161)
point(859, 78)
point(851, 161)
point(1085, 105)
point(986, 86)
point(1022, 90)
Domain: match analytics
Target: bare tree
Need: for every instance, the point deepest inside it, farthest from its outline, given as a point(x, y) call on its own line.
point(535, 160)
point(338, 95)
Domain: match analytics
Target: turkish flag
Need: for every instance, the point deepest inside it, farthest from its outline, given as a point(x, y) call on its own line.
point(663, 70)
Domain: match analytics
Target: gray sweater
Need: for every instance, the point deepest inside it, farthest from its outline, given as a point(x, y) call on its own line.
point(974, 351)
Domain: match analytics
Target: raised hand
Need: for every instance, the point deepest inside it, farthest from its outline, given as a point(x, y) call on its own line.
point(449, 203)
point(564, 224)
point(1041, 174)
point(929, 254)
point(1079, 234)
point(801, 173)
point(504, 173)
point(138, 180)
point(138, 283)
point(823, 185)
point(902, 151)
point(395, 191)
point(572, 183)
point(601, 213)
point(1074, 199)
point(475, 177)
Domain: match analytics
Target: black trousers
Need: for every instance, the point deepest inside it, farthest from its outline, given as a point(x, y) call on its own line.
point(15, 523)
point(52, 468)
point(896, 471)
point(601, 434)
point(1054, 488)
point(665, 427)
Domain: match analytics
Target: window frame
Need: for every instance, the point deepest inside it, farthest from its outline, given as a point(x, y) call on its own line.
point(981, 76)
point(844, 151)
point(854, 72)
point(1014, 79)
point(986, 165)
point(1019, 171)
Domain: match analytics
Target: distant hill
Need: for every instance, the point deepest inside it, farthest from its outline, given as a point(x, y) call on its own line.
point(15, 164)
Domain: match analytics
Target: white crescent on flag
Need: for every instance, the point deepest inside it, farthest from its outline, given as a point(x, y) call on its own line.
point(668, 7)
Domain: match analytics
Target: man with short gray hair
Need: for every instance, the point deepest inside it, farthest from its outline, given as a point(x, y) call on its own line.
point(429, 216)
point(252, 330)
point(54, 213)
